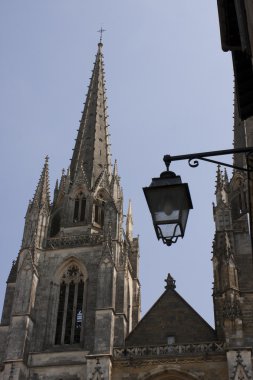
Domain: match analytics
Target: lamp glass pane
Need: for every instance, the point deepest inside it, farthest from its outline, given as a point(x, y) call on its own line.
point(184, 218)
point(163, 216)
point(165, 202)
point(169, 230)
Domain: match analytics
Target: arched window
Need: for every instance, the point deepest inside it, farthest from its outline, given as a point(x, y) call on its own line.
point(79, 208)
point(55, 225)
point(99, 213)
point(70, 316)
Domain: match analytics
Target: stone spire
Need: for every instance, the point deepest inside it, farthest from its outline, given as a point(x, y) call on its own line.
point(92, 148)
point(37, 215)
point(129, 222)
point(42, 196)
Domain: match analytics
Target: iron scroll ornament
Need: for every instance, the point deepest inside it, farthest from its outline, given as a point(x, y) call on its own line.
point(193, 159)
point(193, 162)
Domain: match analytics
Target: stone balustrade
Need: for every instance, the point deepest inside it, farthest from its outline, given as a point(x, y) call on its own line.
point(173, 349)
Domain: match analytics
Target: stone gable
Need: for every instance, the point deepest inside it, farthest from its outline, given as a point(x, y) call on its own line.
point(171, 316)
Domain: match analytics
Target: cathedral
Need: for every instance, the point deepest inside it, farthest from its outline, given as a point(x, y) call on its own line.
point(72, 301)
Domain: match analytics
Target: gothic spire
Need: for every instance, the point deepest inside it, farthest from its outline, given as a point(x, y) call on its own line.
point(42, 197)
point(92, 148)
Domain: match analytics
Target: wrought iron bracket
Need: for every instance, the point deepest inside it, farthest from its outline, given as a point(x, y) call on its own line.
point(193, 158)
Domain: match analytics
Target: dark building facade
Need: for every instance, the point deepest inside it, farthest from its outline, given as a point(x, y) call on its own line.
point(236, 25)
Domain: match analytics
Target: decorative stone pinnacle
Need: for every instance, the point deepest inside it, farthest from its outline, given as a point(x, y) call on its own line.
point(170, 282)
point(41, 195)
point(98, 373)
point(225, 176)
point(219, 179)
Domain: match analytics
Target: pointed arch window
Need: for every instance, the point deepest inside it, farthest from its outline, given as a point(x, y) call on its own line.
point(79, 208)
point(99, 213)
point(55, 224)
point(70, 316)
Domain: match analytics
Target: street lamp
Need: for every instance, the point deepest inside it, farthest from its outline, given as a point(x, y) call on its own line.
point(169, 199)
point(169, 202)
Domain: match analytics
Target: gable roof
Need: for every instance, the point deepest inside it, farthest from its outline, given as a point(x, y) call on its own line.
point(171, 315)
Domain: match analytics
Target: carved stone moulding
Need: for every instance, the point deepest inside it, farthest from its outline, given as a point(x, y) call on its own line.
point(169, 350)
point(74, 241)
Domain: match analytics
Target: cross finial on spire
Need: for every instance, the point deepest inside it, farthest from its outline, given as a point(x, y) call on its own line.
point(101, 31)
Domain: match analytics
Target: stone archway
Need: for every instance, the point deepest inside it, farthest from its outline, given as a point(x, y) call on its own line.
point(171, 374)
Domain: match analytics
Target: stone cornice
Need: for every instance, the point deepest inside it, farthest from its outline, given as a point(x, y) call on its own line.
point(74, 241)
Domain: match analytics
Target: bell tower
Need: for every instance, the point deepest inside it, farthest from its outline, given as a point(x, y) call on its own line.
point(73, 293)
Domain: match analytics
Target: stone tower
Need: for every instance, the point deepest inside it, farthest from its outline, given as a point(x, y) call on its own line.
point(73, 293)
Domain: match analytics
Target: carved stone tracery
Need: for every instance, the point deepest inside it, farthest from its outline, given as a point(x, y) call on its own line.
point(240, 369)
point(72, 274)
point(97, 374)
point(231, 310)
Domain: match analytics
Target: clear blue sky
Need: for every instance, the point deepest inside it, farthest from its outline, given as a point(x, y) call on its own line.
point(170, 90)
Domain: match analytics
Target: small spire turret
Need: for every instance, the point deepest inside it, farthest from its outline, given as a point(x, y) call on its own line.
point(56, 191)
point(115, 169)
point(219, 180)
point(62, 182)
point(116, 190)
point(226, 181)
point(42, 195)
point(129, 222)
point(38, 211)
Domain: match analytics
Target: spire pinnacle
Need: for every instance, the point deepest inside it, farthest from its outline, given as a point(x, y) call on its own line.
point(225, 177)
point(129, 222)
point(219, 180)
point(115, 169)
point(42, 196)
point(92, 145)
